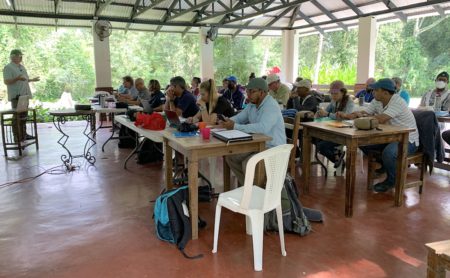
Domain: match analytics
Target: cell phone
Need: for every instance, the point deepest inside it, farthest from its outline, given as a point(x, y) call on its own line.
point(221, 117)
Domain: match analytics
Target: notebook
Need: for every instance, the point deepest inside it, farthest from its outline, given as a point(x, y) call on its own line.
point(230, 136)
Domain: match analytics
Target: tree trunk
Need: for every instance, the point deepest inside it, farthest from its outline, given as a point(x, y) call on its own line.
point(265, 59)
point(318, 60)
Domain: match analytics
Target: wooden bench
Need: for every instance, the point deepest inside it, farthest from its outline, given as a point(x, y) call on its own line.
point(438, 258)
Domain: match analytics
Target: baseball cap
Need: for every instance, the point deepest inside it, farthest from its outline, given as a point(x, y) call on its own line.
point(232, 78)
point(258, 83)
point(385, 83)
point(336, 86)
point(16, 52)
point(272, 78)
point(442, 74)
point(305, 83)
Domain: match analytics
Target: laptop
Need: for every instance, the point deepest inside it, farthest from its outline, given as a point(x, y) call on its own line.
point(173, 119)
point(22, 104)
point(230, 136)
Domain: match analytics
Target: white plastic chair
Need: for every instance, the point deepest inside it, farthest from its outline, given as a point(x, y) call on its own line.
point(254, 201)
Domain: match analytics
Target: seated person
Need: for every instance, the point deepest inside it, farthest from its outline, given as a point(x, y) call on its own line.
point(261, 115)
point(234, 93)
point(301, 98)
point(211, 104)
point(441, 91)
point(340, 106)
point(224, 86)
point(398, 89)
point(157, 98)
point(142, 95)
point(129, 91)
point(180, 99)
point(367, 93)
point(389, 108)
point(195, 82)
point(279, 91)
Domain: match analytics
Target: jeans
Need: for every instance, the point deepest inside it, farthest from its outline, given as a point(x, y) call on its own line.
point(19, 132)
point(238, 163)
point(327, 149)
point(389, 154)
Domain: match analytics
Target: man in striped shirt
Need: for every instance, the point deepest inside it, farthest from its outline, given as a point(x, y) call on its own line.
point(389, 108)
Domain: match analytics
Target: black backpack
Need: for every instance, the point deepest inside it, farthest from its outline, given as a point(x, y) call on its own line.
point(127, 138)
point(150, 152)
point(294, 218)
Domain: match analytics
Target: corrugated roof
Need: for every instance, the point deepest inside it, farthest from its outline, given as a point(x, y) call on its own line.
point(230, 16)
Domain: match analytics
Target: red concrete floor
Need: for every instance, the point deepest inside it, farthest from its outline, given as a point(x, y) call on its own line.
point(96, 222)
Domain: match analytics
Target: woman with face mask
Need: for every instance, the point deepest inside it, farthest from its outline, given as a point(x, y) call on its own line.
point(439, 97)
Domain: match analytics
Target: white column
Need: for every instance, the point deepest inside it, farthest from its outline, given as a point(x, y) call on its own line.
point(289, 56)
point(102, 61)
point(367, 40)
point(206, 55)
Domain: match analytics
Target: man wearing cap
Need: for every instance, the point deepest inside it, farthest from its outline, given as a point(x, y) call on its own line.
point(439, 97)
point(301, 98)
point(279, 91)
point(234, 93)
point(389, 108)
point(16, 79)
point(367, 92)
point(261, 115)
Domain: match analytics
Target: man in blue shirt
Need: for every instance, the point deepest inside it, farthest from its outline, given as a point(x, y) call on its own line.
point(129, 91)
point(398, 89)
point(367, 93)
point(262, 115)
point(234, 93)
point(181, 100)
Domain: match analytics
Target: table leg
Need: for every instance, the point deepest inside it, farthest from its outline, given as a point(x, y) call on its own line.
point(90, 140)
point(114, 127)
point(306, 159)
point(226, 176)
point(36, 137)
point(401, 169)
point(66, 159)
point(260, 171)
point(350, 176)
point(193, 194)
point(135, 150)
point(169, 164)
point(435, 268)
point(93, 124)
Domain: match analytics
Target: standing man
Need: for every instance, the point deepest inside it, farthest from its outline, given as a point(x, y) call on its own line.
point(279, 91)
point(440, 96)
point(16, 79)
point(261, 115)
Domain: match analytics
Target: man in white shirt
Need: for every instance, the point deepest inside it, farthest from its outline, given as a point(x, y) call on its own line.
point(389, 108)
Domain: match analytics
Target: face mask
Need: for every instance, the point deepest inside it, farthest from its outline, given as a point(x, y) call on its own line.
point(440, 84)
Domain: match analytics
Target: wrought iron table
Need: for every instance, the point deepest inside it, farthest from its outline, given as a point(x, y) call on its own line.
point(59, 119)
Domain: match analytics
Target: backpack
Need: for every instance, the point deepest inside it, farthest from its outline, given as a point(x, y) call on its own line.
point(150, 152)
point(294, 219)
point(126, 138)
point(171, 215)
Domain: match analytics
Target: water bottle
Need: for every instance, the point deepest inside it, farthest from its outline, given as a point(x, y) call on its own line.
point(361, 100)
point(437, 104)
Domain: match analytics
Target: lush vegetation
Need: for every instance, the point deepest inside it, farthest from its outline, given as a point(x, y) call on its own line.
point(63, 58)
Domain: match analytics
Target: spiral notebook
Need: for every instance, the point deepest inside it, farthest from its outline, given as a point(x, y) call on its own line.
point(230, 136)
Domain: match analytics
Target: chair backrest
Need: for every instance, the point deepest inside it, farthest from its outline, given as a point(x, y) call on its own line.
point(275, 161)
point(294, 125)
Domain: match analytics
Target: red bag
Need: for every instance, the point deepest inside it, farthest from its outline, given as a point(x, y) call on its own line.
point(152, 121)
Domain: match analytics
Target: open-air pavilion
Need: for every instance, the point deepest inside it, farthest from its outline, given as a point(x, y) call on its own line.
point(97, 221)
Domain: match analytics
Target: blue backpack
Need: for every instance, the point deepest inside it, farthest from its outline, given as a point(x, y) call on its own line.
point(172, 218)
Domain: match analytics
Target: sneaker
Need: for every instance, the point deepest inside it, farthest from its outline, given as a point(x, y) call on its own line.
point(382, 187)
point(340, 160)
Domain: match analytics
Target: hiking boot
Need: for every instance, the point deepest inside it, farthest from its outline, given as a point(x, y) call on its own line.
point(382, 187)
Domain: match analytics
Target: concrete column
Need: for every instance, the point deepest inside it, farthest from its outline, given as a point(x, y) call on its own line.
point(206, 55)
point(289, 56)
point(367, 40)
point(102, 61)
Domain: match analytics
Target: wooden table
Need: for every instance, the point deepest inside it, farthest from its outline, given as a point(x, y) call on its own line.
point(194, 149)
point(352, 139)
point(438, 258)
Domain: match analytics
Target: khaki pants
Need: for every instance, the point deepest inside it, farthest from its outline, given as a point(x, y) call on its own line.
point(238, 163)
point(19, 132)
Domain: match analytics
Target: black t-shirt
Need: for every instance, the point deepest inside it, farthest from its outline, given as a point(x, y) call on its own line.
point(157, 99)
point(223, 107)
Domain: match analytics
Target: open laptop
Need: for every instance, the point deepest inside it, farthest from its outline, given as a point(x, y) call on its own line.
point(22, 104)
point(173, 119)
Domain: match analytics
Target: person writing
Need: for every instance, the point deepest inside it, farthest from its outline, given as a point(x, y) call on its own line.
point(17, 82)
point(340, 106)
point(211, 104)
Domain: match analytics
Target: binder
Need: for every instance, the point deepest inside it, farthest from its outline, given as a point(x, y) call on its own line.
point(230, 136)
